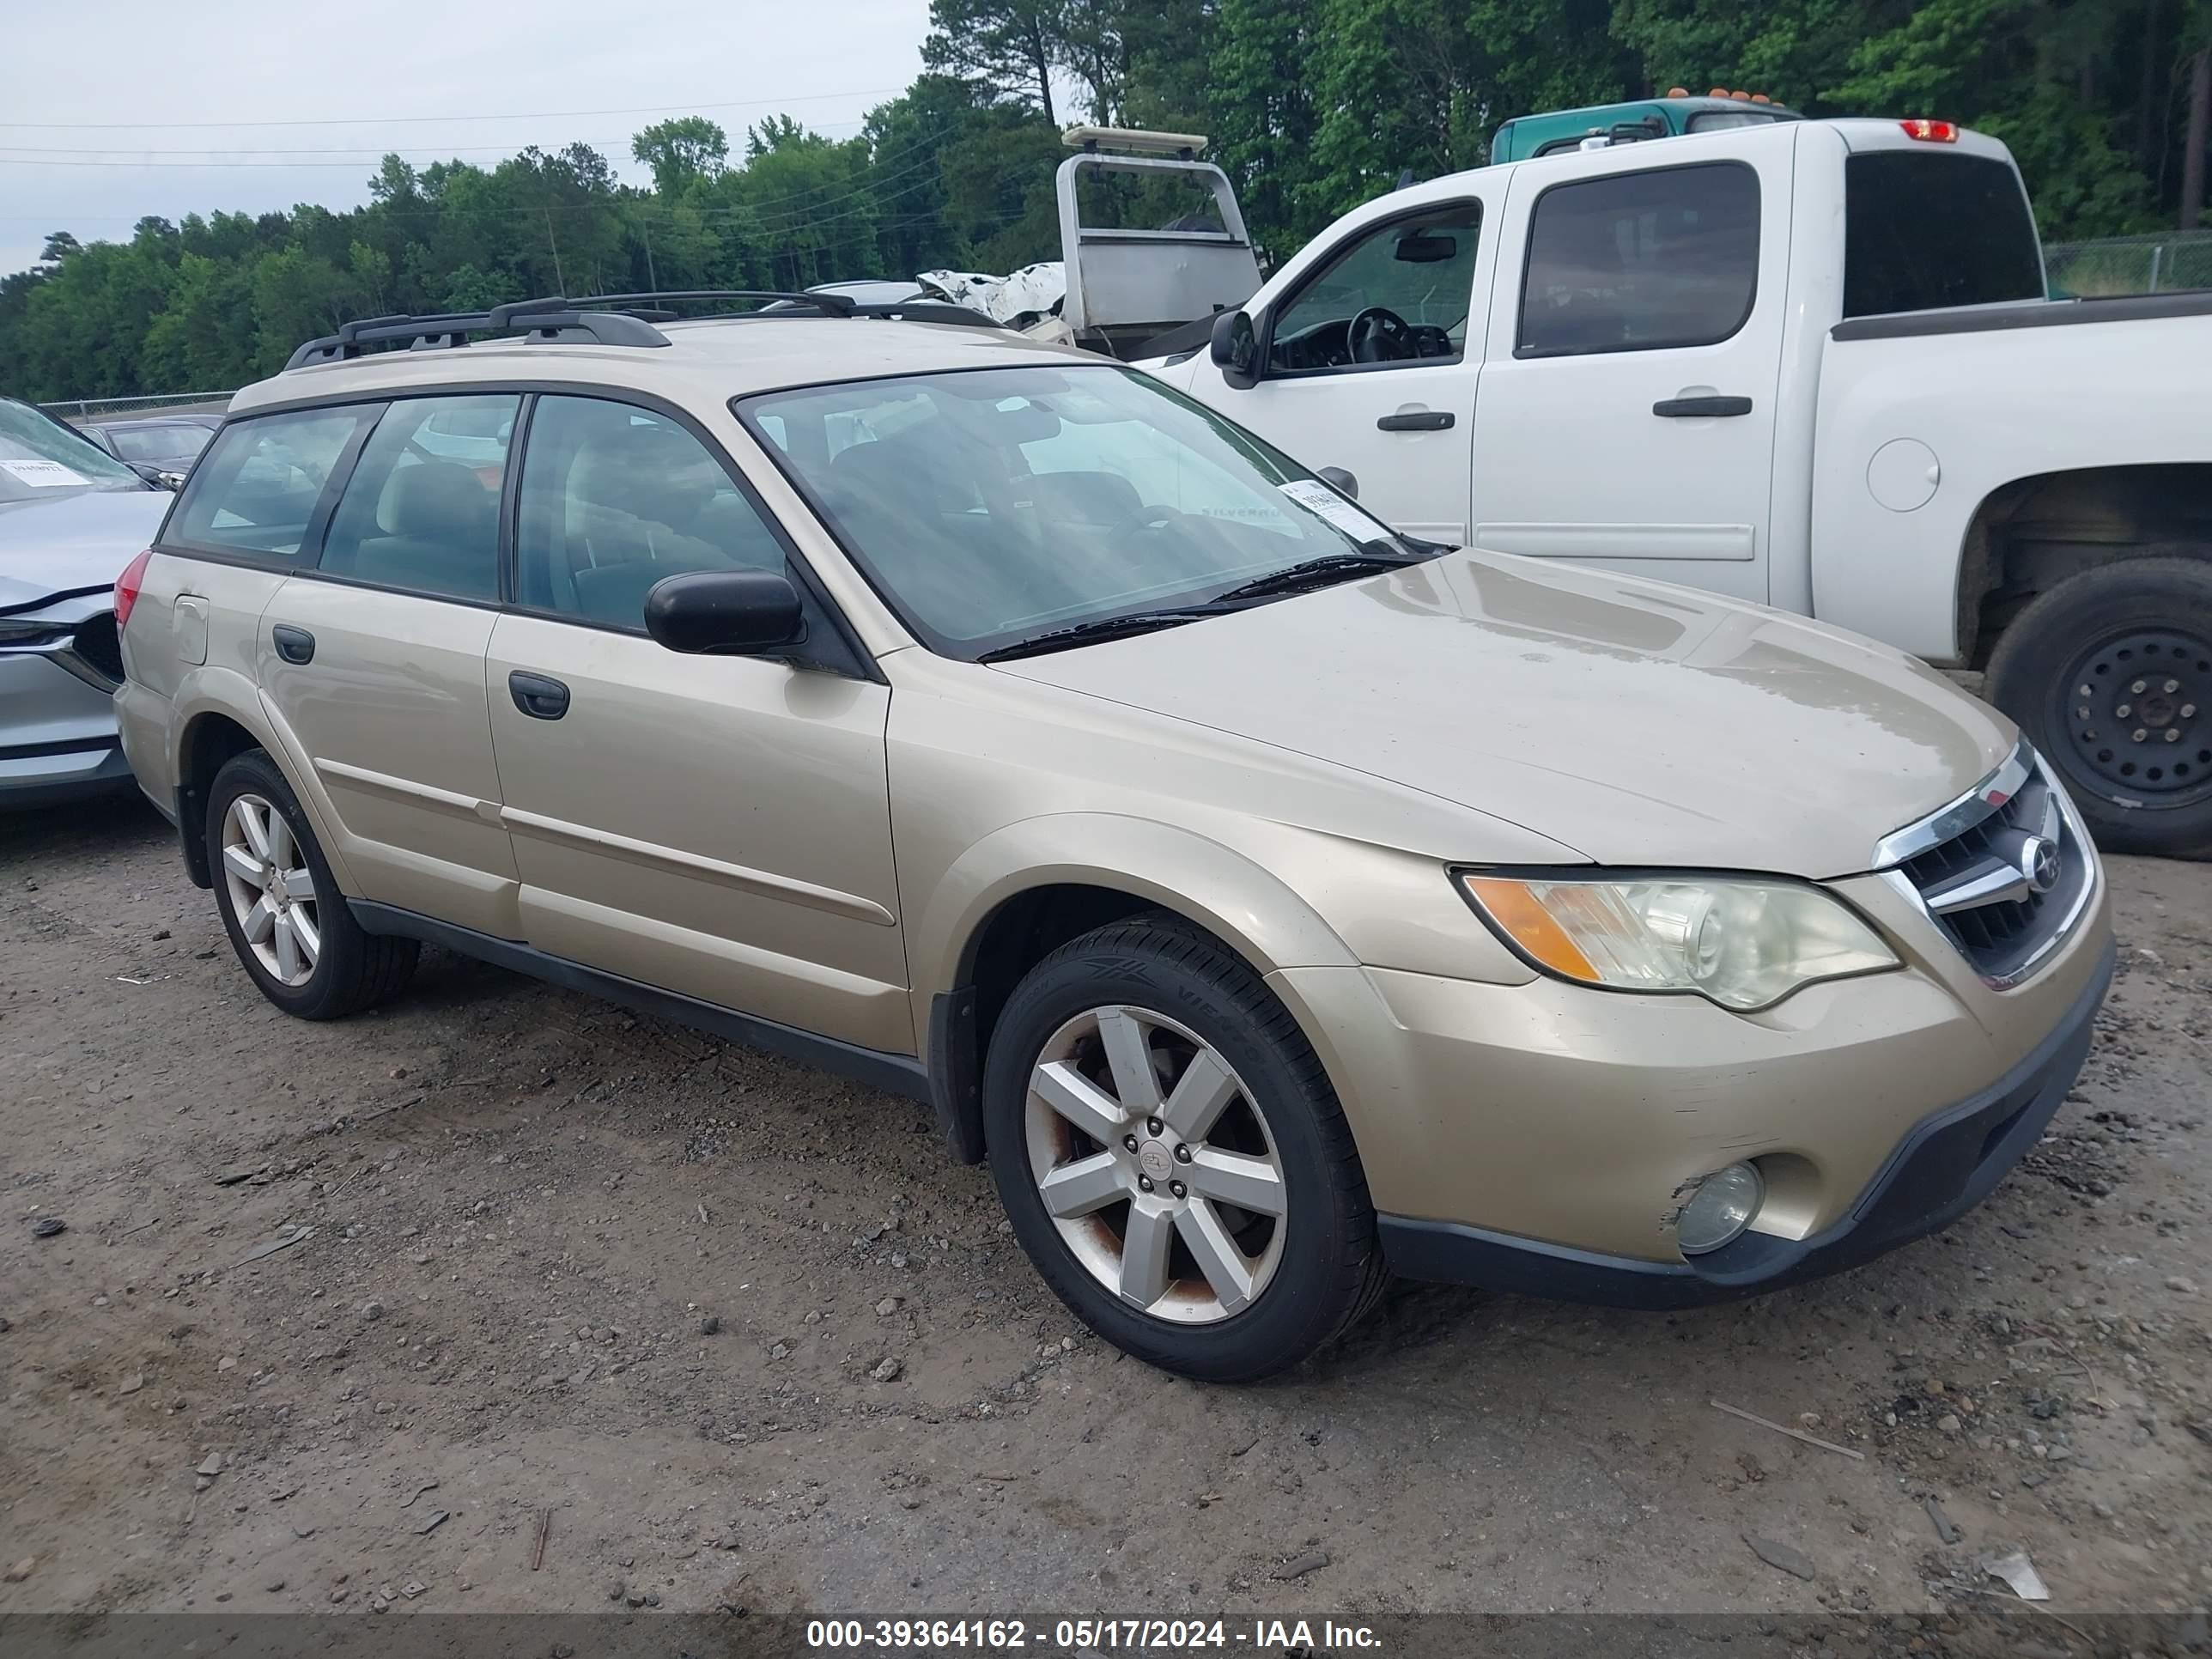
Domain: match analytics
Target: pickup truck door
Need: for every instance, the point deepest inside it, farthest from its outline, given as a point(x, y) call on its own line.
point(1627, 417)
point(1369, 353)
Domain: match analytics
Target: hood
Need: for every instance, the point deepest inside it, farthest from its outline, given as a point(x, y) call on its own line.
point(1638, 723)
point(77, 539)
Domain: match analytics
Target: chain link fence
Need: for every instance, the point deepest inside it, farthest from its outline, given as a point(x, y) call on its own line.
point(2156, 263)
point(160, 403)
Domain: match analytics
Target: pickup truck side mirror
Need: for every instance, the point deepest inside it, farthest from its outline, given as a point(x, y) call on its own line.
point(1338, 480)
point(1236, 349)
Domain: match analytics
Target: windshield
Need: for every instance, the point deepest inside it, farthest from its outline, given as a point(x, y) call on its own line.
point(991, 506)
point(179, 441)
point(40, 457)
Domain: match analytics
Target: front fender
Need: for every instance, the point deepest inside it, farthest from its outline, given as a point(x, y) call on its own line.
point(1244, 905)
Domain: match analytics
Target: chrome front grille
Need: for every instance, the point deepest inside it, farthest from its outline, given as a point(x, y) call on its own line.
point(2004, 872)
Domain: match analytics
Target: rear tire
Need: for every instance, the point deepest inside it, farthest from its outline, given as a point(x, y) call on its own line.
point(2067, 670)
point(290, 925)
point(1149, 1246)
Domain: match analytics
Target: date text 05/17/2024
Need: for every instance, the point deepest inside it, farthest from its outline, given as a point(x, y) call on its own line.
point(1097, 1635)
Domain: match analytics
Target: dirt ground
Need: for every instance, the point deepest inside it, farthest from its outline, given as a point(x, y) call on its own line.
point(740, 1335)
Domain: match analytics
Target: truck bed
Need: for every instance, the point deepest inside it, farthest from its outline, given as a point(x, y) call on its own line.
point(2028, 313)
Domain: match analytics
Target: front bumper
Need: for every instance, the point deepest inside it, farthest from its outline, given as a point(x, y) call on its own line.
point(1531, 1134)
point(1948, 1164)
point(57, 737)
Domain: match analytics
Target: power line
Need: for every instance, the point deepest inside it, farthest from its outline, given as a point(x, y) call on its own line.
point(369, 151)
point(395, 120)
point(773, 215)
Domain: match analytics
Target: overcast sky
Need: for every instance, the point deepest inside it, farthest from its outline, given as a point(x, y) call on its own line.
point(109, 111)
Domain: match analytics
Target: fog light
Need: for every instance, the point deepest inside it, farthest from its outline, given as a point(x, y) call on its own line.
point(1721, 1208)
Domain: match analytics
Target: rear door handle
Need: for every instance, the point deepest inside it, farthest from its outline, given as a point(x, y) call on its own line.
point(1415, 420)
point(539, 695)
point(292, 644)
point(1676, 408)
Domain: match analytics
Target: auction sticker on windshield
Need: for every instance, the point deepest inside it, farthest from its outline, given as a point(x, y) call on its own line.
point(44, 474)
point(1334, 509)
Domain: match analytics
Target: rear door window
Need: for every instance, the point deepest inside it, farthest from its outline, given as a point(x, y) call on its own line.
point(421, 512)
point(263, 482)
point(1923, 230)
point(1641, 261)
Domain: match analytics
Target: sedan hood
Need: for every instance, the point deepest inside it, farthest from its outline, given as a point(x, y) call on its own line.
point(1638, 723)
point(76, 539)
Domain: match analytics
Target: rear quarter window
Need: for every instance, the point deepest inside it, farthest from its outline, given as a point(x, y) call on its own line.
point(262, 483)
point(1924, 229)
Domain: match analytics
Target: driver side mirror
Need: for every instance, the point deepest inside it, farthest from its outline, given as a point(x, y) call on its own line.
point(724, 613)
point(1236, 349)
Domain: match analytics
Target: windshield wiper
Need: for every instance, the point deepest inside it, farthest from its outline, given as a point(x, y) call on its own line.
point(1101, 627)
point(1315, 573)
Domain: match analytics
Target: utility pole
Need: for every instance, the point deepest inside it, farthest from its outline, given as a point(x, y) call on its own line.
point(652, 281)
point(2200, 136)
point(559, 281)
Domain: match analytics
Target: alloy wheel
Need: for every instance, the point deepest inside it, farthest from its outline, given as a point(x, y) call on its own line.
point(1156, 1164)
point(271, 890)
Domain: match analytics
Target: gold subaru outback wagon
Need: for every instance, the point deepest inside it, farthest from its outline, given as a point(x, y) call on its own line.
point(1276, 901)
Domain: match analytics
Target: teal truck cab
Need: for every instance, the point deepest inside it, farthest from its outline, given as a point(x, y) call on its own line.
point(1602, 125)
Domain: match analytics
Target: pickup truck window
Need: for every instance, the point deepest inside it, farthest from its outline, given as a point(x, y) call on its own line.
point(1641, 261)
point(1396, 293)
point(1923, 230)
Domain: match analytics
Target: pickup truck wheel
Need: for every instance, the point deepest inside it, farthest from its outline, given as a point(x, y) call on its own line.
point(2110, 673)
point(1173, 1157)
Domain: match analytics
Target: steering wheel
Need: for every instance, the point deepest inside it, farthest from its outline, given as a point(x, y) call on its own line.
point(1145, 518)
point(1378, 335)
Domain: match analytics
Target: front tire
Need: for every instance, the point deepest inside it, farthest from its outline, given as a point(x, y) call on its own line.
point(1173, 1157)
point(2110, 674)
point(290, 925)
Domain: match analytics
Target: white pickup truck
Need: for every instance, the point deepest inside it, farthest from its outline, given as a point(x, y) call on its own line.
point(1808, 363)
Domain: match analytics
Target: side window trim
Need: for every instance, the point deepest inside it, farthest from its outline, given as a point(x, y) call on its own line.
point(510, 499)
point(334, 489)
point(1334, 256)
point(1528, 242)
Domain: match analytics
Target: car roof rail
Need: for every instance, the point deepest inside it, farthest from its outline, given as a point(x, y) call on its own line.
point(655, 307)
point(552, 318)
point(835, 305)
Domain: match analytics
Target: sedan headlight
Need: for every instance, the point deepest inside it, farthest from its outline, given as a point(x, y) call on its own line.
point(16, 631)
point(1745, 944)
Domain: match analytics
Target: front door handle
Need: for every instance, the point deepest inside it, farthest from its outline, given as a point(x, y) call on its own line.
point(1676, 408)
point(539, 695)
point(292, 644)
point(1415, 420)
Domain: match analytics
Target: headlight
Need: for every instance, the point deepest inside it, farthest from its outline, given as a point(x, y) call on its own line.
point(17, 632)
point(1745, 944)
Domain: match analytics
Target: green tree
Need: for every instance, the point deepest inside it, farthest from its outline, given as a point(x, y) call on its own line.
point(681, 152)
point(1008, 46)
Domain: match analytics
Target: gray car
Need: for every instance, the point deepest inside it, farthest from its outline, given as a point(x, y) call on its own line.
point(72, 517)
point(159, 448)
